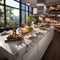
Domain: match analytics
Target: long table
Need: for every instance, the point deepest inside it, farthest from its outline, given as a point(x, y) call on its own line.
point(29, 49)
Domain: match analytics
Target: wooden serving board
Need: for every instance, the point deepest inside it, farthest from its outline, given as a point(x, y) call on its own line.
point(13, 40)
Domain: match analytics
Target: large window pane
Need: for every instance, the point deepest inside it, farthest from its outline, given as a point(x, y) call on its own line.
point(23, 18)
point(26, 17)
point(12, 17)
point(26, 8)
point(23, 6)
point(1, 16)
point(12, 3)
point(30, 8)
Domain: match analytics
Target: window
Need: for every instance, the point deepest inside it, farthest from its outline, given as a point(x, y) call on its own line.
point(26, 17)
point(12, 16)
point(13, 11)
point(25, 12)
point(12, 3)
point(1, 16)
point(1, 1)
point(30, 8)
point(26, 8)
point(23, 18)
point(23, 6)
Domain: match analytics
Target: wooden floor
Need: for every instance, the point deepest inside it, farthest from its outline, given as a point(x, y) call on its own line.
point(3, 59)
point(53, 51)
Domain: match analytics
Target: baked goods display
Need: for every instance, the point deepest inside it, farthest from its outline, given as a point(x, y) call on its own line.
point(44, 27)
point(18, 37)
point(27, 29)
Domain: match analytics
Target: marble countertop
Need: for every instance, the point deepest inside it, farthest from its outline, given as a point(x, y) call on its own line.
point(13, 47)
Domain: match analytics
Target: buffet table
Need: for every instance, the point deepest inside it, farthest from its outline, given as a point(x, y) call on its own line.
point(29, 49)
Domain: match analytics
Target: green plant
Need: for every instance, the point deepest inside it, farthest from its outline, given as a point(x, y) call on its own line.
point(31, 18)
point(2, 21)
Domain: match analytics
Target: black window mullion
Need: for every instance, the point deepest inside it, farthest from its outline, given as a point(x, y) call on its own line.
point(20, 14)
point(12, 7)
point(25, 13)
point(28, 11)
point(32, 10)
point(5, 12)
point(17, 1)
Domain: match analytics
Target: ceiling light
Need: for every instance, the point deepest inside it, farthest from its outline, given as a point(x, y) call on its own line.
point(40, 4)
point(27, 3)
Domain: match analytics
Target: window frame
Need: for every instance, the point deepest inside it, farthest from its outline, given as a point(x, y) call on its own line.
point(20, 11)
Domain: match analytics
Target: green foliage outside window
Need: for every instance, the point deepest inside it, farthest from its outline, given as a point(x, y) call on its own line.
point(10, 20)
point(0, 0)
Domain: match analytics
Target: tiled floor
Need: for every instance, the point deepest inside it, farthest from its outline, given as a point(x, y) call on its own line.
point(53, 51)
